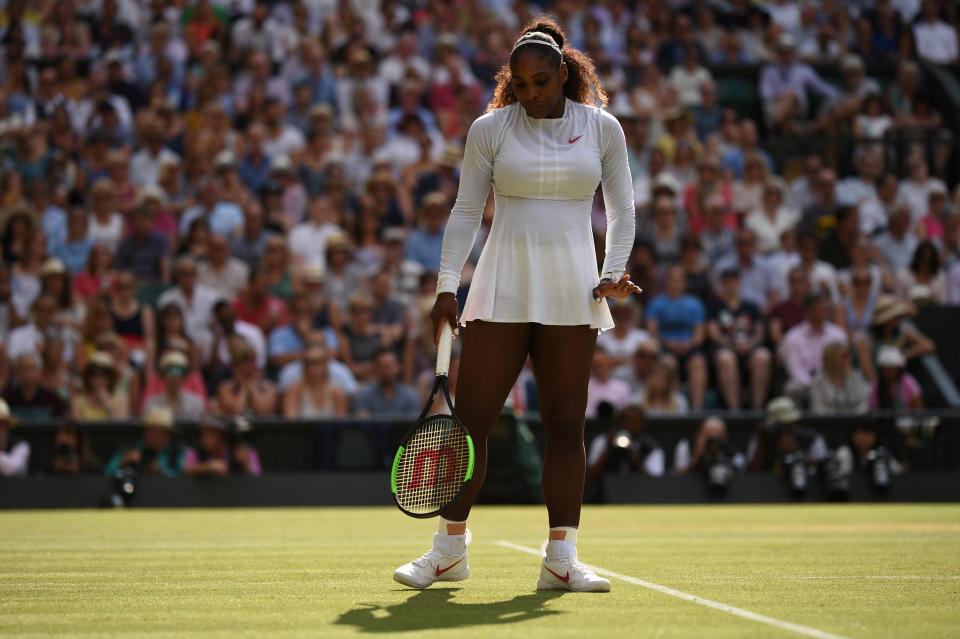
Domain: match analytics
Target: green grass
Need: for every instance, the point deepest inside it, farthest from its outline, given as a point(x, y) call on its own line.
point(856, 571)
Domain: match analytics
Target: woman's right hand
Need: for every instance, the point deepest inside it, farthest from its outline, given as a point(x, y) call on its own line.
point(444, 310)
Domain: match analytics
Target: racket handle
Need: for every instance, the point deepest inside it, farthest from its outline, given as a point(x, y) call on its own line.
point(443, 349)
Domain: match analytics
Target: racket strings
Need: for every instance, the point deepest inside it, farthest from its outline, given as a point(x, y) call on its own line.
point(433, 466)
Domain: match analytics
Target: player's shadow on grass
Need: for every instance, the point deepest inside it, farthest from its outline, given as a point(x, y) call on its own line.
point(429, 609)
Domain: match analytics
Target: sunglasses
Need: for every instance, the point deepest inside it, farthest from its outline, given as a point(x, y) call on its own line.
point(174, 371)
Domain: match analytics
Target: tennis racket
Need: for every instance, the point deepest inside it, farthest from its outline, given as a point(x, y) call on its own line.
point(435, 459)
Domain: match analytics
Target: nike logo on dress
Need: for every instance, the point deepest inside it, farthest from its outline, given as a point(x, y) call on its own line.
point(564, 579)
point(440, 572)
point(572, 140)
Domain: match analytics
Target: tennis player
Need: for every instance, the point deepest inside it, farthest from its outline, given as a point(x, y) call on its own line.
point(544, 145)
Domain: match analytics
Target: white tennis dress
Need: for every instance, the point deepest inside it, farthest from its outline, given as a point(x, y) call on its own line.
point(539, 263)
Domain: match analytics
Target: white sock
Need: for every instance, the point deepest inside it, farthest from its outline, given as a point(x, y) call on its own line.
point(563, 547)
point(570, 533)
point(442, 526)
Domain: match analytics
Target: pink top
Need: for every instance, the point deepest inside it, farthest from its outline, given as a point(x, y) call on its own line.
point(191, 458)
point(931, 227)
point(803, 349)
point(909, 391)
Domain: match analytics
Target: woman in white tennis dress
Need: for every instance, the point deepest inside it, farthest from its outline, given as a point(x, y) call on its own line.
point(543, 147)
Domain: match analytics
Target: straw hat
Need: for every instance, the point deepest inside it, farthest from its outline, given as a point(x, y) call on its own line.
point(888, 308)
point(782, 410)
point(53, 266)
point(158, 417)
point(5, 412)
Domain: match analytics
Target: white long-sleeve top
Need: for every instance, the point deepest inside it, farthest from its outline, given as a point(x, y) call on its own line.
point(539, 263)
point(14, 462)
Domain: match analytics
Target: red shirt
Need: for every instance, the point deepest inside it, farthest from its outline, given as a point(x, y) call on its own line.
point(271, 312)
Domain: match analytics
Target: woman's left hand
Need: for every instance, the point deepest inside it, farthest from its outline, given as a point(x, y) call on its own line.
point(621, 289)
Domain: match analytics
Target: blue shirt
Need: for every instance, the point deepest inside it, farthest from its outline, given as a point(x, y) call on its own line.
point(283, 340)
point(677, 318)
point(225, 218)
point(254, 174)
point(74, 255)
point(425, 249)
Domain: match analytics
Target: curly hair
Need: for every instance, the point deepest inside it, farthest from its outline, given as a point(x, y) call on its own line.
point(583, 85)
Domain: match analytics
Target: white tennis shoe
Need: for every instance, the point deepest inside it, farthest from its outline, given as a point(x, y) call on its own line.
point(562, 570)
point(446, 561)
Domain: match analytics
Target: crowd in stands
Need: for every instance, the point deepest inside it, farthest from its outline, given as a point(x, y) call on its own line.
point(237, 207)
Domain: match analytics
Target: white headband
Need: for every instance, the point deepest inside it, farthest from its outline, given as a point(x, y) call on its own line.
point(526, 39)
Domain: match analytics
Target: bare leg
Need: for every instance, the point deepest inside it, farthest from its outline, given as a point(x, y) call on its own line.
point(492, 357)
point(728, 377)
point(697, 378)
point(562, 356)
point(760, 370)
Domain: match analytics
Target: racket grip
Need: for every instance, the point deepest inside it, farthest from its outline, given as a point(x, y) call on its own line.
point(443, 349)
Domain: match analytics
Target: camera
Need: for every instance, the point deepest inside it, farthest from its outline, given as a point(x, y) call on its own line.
point(623, 439)
point(879, 468)
point(125, 481)
point(795, 468)
point(718, 466)
point(65, 452)
point(241, 430)
point(837, 471)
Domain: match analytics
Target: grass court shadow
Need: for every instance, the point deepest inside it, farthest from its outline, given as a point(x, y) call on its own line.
point(435, 608)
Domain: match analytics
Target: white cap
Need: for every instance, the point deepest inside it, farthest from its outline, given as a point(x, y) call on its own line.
point(890, 357)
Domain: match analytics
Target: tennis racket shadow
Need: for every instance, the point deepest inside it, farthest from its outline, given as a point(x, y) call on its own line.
point(436, 608)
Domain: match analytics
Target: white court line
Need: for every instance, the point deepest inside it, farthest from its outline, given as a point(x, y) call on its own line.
point(806, 631)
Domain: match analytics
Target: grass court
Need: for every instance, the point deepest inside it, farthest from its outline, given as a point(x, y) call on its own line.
point(837, 570)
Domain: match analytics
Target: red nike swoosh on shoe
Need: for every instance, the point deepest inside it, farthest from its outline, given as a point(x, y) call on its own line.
point(564, 578)
point(440, 572)
point(571, 141)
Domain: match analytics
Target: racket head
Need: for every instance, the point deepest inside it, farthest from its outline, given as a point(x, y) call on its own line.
point(432, 466)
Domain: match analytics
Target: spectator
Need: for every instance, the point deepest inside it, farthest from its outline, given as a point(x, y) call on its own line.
point(625, 448)
point(637, 370)
point(915, 189)
point(362, 339)
point(757, 281)
point(772, 218)
point(784, 85)
point(340, 374)
point(194, 300)
point(660, 395)
point(227, 329)
point(14, 452)
point(217, 455)
point(145, 252)
point(890, 328)
point(224, 217)
point(678, 320)
point(735, 328)
point(838, 387)
point(390, 317)
point(132, 321)
point(709, 444)
point(255, 305)
point(74, 252)
point(925, 280)
point(308, 240)
point(386, 395)
point(718, 231)
point(689, 78)
point(423, 246)
point(220, 272)
point(105, 223)
point(175, 398)
point(856, 313)
point(622, 341)
point(897, 244)
point(29, 337)
point(246, 392)
point(25, 397)
point(820, 216)
point(936, 40)
point(895, 389)
point(250, 244)
point(663, 232)
point(55, 375)
point(803, 345)
point(275, 266)
point(343, 275)
point(603, 387)
point(316, 395)
point(157, 453)
point(930, 226)
point(98, 399)
point(695, 268)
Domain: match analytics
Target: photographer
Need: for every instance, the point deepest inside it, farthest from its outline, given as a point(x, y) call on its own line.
point(71, 452)
point(711, 446)
point(223, 450)
point(782, 446)
point(156, 453)
point(625, 449)
point(14, 453)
